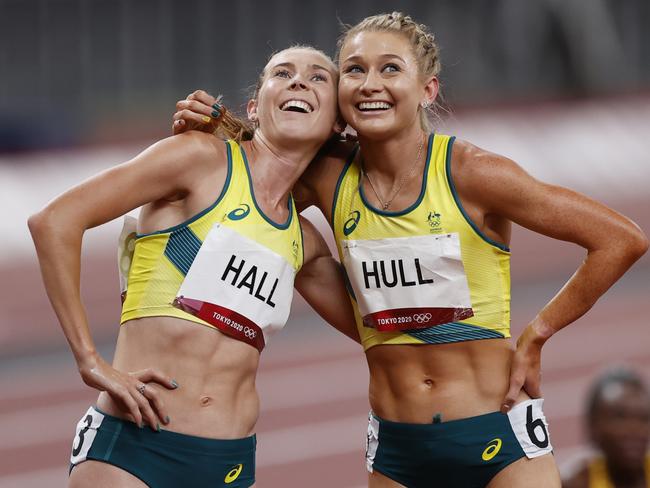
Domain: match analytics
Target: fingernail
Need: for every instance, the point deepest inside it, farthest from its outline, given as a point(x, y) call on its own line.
point(167, 419)
point(174, 384)
point(216, 106)
point(206, 119)
point(216, 113)
point(141, 425)
point(157, 427)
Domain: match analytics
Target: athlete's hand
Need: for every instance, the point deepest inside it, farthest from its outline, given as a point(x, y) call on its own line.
point(126, 389)
point(526, 367)
point(196, 112)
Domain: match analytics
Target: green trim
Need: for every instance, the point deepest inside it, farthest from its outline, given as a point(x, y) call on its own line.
point(454, 193)
point(259, 210)
point(453, 332)
point(348, 163)
point(202, 212)
point(416, 203)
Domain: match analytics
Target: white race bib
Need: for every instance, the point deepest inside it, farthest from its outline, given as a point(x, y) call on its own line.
point(530, 427)
point(85, 435)
point(241, 287)
point(408, 282)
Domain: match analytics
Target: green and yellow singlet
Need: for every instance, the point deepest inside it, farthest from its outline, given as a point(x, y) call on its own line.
point(425, 275)
point(243, 251)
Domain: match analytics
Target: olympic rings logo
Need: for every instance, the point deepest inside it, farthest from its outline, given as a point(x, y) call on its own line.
point(421, 318)
point(250, 333)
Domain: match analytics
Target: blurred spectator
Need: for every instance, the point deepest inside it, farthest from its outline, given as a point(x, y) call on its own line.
point(618, 424)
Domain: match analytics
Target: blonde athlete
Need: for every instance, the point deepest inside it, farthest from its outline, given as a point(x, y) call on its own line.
point(423, 222)
point(219, 236)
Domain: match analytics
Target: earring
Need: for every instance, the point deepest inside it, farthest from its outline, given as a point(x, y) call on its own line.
point(424, 104)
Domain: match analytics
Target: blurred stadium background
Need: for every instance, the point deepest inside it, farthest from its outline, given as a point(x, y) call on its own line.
point(561, 87)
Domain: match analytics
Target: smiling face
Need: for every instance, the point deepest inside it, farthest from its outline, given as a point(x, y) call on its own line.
point(296, 101)
point(381, 87)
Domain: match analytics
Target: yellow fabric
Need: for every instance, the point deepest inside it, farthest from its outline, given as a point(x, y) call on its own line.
point(161, 259)
point(599, 477)
point(487, 264)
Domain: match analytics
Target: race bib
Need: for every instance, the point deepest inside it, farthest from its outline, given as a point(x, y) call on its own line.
point(530, 427)
point(408, 282)
point(85, 435)
point(239, 286)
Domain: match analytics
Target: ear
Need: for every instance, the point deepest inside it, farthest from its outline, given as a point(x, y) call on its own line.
point(251, 110)
point(431, 89)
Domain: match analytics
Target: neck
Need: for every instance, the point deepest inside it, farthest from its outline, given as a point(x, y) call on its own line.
point(392, 156)
point(276, 168)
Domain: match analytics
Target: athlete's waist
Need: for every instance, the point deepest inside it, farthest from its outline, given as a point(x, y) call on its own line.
point(411, 383)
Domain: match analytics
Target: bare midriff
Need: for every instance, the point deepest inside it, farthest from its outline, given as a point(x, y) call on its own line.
point(216, 397)
point(415, 383)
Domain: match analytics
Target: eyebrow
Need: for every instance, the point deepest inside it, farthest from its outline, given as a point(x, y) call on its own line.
point(358, 58)
point(291, 65)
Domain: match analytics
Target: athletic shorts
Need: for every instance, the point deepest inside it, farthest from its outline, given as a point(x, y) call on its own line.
point(164, 459)
point(464, 453)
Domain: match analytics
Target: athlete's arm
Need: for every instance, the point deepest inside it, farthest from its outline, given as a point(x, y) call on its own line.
point(321, 283)
point(500, 189)
point(165, 170)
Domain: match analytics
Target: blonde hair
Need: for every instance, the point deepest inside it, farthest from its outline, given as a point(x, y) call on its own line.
point(232, 126)
point(423, 45)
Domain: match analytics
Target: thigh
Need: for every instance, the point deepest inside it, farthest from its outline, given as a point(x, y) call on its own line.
point(378, 480)
point(95, 474)
point(539, 472)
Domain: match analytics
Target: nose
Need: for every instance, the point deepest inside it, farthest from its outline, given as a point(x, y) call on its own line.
point(371, 83)
point(297, 83)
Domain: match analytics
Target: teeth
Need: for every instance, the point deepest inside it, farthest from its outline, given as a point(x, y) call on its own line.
point(297, 104)
point(374, 105)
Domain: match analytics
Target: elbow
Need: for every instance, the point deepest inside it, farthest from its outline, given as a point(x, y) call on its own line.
point(637, 243)
point(36, 223)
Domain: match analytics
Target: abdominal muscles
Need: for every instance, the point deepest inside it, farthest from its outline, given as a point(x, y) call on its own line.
point(216, 397)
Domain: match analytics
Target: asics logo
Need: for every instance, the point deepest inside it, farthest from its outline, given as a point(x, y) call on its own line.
point(240, 212)
point(352, 222)
point(233, 474)
point(421, 318)
point(493, 448)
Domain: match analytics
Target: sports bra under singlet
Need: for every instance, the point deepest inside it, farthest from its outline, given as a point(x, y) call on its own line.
point(229, 267)
point(424, 275)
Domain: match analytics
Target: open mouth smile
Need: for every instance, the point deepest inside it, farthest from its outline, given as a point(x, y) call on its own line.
point(299, 106)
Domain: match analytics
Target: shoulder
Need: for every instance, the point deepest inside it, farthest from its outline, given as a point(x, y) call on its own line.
point(189, 156)
point(318, 183)
point(473, 162)
point(487, 178)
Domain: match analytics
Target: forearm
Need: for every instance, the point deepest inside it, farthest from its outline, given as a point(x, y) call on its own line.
point(599, 271)
point(59, 253)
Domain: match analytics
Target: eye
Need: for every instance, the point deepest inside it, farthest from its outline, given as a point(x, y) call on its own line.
point(319, 77)
point(282, 73)
point(353, 68)
point(391, 68)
